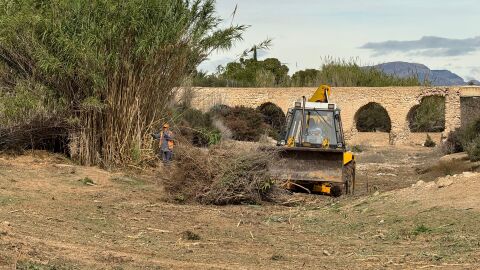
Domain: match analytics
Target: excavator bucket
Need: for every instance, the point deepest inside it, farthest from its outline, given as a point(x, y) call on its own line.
point(314, 170)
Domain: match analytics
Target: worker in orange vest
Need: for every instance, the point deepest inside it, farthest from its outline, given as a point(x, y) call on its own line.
point(166, 143)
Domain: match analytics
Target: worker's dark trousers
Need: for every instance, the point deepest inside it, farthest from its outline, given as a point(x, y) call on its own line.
point(167, 156)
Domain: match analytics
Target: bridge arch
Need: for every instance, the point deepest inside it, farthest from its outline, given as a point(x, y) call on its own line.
point(372, 117)
point(428, 115)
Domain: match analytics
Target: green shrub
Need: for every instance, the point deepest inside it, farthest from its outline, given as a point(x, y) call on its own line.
point(429, 142)
point(473, 149)
point(421, 229)
point(373, 117)
point(471, 132)
point(428, 116)
point(464, 139)
point(358, 148)
point(273, 116)
point(207, 136)
point(471, 140)
point(453, 143)
point(341, 72)
point(196, 118)
point(26, 101)
point(245, 123)
point(220, 109)
point(198, 128)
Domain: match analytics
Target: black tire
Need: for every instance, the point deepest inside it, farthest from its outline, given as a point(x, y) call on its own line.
point(336, 191)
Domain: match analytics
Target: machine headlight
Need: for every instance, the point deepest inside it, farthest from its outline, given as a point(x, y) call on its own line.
point(339, 145)
point(282, 142)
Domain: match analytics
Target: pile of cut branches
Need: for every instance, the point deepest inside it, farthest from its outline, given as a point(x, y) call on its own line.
point(48, 133)
point(223, 174)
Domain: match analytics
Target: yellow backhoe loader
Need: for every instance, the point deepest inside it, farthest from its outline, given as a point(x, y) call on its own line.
point(312, 151)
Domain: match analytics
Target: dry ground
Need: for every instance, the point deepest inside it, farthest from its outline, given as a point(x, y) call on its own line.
point(53, 217)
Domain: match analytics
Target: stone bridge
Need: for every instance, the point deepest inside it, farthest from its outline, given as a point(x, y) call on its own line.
point(461, 105)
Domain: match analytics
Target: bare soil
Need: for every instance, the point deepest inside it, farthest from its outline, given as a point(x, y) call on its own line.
point(57, 215)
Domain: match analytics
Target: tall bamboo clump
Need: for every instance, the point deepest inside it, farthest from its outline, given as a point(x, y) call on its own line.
point(114, 64)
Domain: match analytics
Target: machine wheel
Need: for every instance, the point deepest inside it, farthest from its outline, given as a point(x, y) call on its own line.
point(349, 177)
point(336, 191)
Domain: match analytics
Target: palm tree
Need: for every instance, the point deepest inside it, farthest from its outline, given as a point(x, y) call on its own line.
point(264, 45)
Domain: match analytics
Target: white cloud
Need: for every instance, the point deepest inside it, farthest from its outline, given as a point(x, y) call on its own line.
point(427, 46)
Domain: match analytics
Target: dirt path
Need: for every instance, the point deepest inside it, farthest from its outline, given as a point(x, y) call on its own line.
point(53, 217)
point(391, 167)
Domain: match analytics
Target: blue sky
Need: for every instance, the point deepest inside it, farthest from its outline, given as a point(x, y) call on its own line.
point(442, 34)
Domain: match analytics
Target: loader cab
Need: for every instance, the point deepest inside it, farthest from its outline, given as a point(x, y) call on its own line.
point(316, 125)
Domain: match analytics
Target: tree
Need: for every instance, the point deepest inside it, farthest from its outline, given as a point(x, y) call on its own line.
point(279, 70)
point(250, 72)
point(428, 116)
point(114, 63)
point(264, 45)
point(307, 77)
point(274, 117)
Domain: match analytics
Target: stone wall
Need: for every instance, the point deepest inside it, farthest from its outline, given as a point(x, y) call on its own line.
point(396, 100)
point(383, 138)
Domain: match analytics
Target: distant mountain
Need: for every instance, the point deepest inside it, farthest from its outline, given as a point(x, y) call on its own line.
point(473, 82)
point(445, 77)
point(436, 77)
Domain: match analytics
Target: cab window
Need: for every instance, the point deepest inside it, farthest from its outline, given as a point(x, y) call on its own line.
point(319, 125)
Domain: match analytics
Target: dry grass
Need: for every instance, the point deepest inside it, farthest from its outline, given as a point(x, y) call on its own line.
point(115, 224)
point(443, 168)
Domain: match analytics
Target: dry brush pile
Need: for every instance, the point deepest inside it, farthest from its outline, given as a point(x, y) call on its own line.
point(39, 133)
point(223, 174)
point(249, 124)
